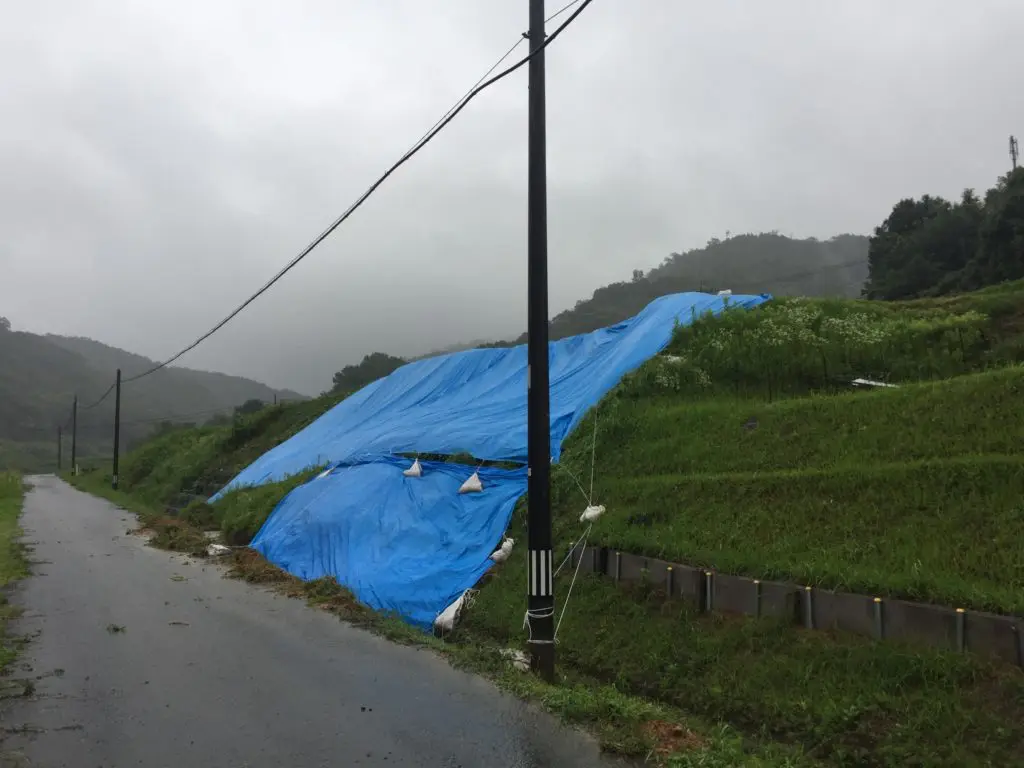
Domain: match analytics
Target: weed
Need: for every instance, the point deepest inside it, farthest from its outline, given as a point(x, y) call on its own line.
point(243, 511)
point(178, 536)
point(13, 564)
point(199, 514)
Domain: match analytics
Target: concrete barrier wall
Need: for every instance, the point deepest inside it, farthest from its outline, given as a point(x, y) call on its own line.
point(987, 634)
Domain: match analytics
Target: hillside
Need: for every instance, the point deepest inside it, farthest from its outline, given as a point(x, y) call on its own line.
point(40, 375)
point(773, 466)
point(762, 263)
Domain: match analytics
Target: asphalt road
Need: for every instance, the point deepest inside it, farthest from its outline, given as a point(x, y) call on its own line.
point(209, 671)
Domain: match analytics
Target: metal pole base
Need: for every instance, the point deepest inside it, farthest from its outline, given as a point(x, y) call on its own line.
point(541, 644)
point(542, 661)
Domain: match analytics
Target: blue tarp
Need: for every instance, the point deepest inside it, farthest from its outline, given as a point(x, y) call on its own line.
point(474, 402)
point(412, 545)
point(402, 544)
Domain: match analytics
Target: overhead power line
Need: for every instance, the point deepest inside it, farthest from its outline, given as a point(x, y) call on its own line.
point(560, 11)
point(103, 397)
point(422, 142)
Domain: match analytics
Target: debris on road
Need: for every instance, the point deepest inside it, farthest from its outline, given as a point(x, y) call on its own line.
point(517, 659)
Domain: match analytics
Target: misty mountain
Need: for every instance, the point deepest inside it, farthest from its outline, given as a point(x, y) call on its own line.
point(40, 375)
point(762, 263)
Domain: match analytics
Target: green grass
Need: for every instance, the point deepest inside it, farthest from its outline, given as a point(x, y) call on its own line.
point(945, 531)
point(242, 512)
point(796, 346)
point(13, 565)
point(915, 492)
point(969, 415)
point(202, 460)
point(835, 699)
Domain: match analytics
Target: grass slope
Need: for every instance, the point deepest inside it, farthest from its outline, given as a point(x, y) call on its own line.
point(12, 558)
point(912, 492)
point(769, 467)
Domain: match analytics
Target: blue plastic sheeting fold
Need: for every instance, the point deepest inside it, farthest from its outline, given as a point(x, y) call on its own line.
point(474, 402)
point(401, 544)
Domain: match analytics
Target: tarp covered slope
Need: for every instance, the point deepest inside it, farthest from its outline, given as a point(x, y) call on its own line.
point(474, 402)
point(407, 545)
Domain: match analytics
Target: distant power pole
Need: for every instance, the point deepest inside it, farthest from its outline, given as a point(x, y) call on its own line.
point(74, 436)
point(60, 448)
point(1014, 152)
point(117, 428)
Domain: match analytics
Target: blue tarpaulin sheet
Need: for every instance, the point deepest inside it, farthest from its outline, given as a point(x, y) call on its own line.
point(407, 545)
point(413, 545)
point(474, 402)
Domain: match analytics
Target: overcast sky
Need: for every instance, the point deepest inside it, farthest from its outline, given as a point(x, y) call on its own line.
point(160, 160)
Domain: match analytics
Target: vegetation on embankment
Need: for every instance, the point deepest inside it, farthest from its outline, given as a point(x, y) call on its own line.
point(912, 492)
point(792, 347)
point(171, 469)
point(13, 565)
point(775, 468)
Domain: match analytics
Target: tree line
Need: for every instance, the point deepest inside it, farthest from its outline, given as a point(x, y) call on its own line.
point(933, 247)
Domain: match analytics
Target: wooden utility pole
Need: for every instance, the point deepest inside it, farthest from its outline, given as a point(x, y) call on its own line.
point(74, 436)
point(1014, 152)
point(540, 599)
point(117, 428)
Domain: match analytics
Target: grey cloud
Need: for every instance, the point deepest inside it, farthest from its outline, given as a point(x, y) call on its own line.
point(160, 161)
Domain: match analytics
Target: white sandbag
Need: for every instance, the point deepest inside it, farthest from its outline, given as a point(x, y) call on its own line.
point(500, 555)
point(416, 470)
point(445, 621)
point(217, 550)
point(590, 514)
point(472, 484)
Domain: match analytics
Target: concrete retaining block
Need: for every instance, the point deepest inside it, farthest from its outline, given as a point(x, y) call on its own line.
point(930, 625)
point(844, 611)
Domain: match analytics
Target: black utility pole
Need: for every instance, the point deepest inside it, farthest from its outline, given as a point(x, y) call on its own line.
point(1014, 151)
point(117, 427)
point(541, 599)
point(60, 448)
point(74, 436)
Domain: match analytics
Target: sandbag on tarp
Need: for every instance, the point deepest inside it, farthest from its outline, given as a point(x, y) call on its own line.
point(474, 402)
point(409, 545)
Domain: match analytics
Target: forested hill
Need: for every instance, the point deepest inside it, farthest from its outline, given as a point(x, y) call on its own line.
point(764, 263)
point(39, 376)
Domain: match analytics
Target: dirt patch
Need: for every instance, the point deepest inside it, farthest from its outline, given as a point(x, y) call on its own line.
point(324, 593)
point(673, 738)
point(249, 565)
point(177, 536)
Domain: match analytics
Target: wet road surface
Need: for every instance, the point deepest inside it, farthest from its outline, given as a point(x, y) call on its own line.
point(209, 671)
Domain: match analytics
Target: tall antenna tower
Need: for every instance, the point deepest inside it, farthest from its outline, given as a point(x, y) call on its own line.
point(1014, 151)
